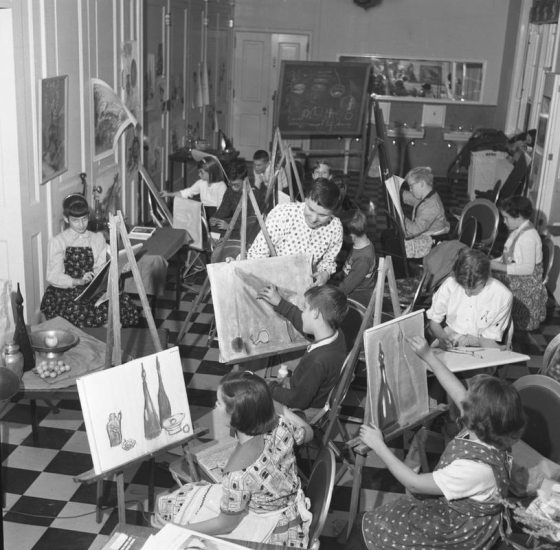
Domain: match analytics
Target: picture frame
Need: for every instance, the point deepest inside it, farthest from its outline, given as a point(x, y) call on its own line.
point(159, 211)
point(54, 127)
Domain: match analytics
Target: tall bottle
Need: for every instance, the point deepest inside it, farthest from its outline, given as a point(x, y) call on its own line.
point(152, 427)
point(386, 404)
point(163, 401)
point(21, 336)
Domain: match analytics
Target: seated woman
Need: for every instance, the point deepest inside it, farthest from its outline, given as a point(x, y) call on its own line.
point(475, 307)
point(520, 266)
point(306, 228)
point(75, 256)
point(260, 497)
point(428, 214)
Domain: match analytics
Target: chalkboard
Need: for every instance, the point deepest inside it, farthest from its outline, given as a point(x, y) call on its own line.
point(322, 98)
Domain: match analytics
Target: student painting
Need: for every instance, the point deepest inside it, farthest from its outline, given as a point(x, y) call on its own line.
point(210, 186)
point(359, 267)
point(520, 266)
point(74, 257)
point(428, 214)
point(262, 171)
point(260, 498)
point(456, 506)
point(475, 307)
point(306, 228)
point(322, 169)
point(319, 368)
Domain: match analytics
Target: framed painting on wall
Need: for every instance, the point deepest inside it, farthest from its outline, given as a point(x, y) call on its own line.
point(54, 127)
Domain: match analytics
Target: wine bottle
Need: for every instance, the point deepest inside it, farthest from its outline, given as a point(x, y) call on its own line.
point(386, 405)
point(163, 401)
point(21, 336)
point(152, 426)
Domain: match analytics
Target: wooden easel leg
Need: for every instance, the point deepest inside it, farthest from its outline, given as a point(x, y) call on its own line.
point(151, 483)
point(120, 498)
point(201, 296)
point(99, 500)
point(355, 496)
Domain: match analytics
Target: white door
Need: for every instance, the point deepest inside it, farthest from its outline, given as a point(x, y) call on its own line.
point(257, 68)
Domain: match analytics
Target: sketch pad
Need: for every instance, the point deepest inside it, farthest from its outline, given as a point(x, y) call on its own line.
point(248, 327)
point(99, 282)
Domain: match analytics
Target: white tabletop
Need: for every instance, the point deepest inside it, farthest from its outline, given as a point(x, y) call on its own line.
point(479, 358)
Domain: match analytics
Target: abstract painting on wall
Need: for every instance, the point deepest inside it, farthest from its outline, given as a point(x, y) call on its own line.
point(135, 409)
point(248, 327)
point(397, 382)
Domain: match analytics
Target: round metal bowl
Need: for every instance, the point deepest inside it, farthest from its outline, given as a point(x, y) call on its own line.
point(53, 341)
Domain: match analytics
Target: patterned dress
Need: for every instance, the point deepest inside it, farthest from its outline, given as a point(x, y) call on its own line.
point(268, 485)
point(58, 301)
point(414, 522)
point(529, 293)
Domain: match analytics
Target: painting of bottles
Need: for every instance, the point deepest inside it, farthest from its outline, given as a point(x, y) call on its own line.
point(135, 409)
point(397, 382)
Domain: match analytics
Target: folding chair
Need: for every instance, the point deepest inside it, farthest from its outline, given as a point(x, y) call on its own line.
point(487, 217)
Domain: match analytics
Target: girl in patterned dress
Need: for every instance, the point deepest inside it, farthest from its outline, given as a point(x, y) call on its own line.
point(520, 266)
point(260, 496)
point(75, 256)
point(457, 505)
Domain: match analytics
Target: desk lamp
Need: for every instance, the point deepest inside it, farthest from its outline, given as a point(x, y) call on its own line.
point(9, 386)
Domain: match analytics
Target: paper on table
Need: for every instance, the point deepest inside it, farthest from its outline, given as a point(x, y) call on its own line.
point(393, 185)
point(174, 537)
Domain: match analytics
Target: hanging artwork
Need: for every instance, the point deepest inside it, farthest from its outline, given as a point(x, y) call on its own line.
point(110, 118)
point(397, 382)
point(248, 327)
point(54, 127)
point(135, 409)
point(129, 84)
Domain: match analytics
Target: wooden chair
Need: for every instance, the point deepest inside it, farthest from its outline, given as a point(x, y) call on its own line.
point(487, 217)
point(350, 326)
point(540, 396)
point(469, 231)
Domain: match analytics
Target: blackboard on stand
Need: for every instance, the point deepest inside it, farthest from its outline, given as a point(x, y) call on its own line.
point(321, 98)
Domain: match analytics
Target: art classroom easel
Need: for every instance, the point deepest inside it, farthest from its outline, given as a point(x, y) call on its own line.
point(286, 163)
point(242, 205)
point(113, 358)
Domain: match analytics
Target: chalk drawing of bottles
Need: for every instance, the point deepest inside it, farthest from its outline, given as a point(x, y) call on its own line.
point(386, 404)
point(163, 401)
point(152, 427)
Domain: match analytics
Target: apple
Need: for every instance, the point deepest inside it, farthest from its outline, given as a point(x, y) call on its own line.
point(51, 340)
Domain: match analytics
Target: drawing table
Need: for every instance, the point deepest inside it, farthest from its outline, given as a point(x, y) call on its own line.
point(481, 358)
point(152, 263)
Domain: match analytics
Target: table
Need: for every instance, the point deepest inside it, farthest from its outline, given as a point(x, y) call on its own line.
point(142, 532)
point(160, 247)
point(480, 358)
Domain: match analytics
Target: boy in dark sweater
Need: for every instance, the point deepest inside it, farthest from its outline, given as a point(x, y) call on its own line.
point(319, 368)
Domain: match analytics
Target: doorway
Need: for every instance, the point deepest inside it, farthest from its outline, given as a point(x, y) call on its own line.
point(258, 57)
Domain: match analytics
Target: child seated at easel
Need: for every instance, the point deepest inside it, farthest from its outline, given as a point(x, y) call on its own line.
point(318, 370)
point(457, 505)
point(237, 173)
point(359, 267)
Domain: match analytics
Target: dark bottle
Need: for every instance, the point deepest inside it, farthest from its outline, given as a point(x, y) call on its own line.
point(152, 427)
point(386, 404)
point(163, 401)
point(21, 336)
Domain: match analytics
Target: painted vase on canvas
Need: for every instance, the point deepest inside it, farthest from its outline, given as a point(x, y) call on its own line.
point(386, 405)
point(152, 427)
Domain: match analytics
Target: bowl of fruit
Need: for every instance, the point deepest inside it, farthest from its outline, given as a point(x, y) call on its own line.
point(50, 346)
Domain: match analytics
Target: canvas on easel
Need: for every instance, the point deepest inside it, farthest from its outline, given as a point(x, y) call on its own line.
point(187, 214)
point(135, 409)
point(387, 349)
point(248, 327)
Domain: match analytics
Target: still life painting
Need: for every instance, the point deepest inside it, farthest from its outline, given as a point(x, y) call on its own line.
point(248, 327)
point(135, 409)
point(397, 382)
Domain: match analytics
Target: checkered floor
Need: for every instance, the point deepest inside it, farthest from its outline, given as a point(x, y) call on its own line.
point(45, 509)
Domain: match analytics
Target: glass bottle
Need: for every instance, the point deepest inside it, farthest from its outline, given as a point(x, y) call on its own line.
point(13, 359)
point(163, 401)
point(21, 336)
point(152, 427)
point(386, 406)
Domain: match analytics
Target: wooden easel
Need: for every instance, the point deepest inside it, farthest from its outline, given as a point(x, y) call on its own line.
point(247, 194)
point(113, 358)
point(286, 162)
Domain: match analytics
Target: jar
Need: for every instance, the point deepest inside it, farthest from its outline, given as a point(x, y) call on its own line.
point(13, 359)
